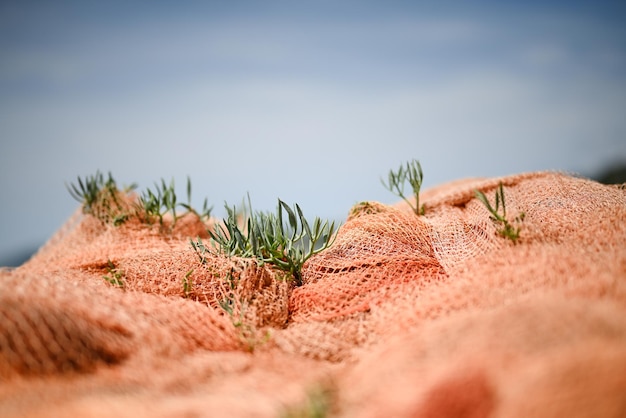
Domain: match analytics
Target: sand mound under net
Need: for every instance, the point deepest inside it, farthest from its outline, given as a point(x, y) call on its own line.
point(404, 315)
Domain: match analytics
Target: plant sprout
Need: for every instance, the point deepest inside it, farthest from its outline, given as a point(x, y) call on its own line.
point(411, 173)
point(188, 283)
point(115, 277)
point(101, 198)
point(155, 204)
point(205, 214)
point(507, 230)
point(284, 239)
point(319, 404)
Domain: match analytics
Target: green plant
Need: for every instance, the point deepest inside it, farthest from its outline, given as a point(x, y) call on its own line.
point(284, 239)
point(506, 229)
point(228, 306)
point(187, 283)
point(411, 173)
point(87, 191)
point(199, 248)
point(154, 205)
point(101, 198)
point(115, 277)
point(319, 404)
point(205, 214)
point(235, 308)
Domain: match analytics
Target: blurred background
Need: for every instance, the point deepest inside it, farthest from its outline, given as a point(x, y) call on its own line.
point(308, 101)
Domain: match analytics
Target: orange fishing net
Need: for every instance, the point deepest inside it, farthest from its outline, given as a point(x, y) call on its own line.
point(404, 315)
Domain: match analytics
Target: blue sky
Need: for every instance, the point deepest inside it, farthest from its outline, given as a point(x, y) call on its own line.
point(311, 102)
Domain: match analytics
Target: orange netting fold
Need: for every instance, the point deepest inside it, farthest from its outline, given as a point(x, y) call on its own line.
point(404, 315)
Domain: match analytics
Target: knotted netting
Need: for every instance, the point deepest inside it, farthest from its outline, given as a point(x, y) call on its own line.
point(404, 315)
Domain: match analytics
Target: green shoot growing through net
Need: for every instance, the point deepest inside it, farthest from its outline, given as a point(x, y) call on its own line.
point(410, 173)
point(154, 205)
point(506, 229)
point(284, 239)
point(101, 198)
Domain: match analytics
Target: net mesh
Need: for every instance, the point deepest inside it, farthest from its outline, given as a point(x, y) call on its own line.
point(404, 315)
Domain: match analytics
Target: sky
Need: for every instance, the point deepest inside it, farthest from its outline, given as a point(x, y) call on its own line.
point(311, 102)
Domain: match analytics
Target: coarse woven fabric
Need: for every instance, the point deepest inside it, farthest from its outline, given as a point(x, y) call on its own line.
point(404, 315)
